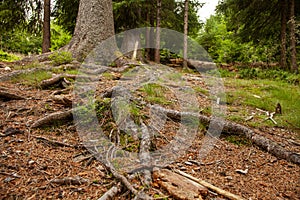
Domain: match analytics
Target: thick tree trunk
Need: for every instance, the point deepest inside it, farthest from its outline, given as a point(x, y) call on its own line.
point(94, 24)
point(157, 49)
point(293, 37)
point(46, 27)
point(283, 7)
point(186, 20)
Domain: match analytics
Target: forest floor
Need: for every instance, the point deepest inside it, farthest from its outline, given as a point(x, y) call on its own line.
point(35, 163)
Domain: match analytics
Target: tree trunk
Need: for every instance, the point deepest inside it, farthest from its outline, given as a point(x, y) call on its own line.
point(157, 46)
point(283, 7)
point(294, 66)
point(186, 20)
point(94, 24)
point(46, 27)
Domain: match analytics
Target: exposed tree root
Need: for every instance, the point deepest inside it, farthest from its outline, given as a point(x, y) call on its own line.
point(7, 96)
point(52, 118)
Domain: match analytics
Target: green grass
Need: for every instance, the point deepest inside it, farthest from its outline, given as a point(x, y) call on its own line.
point(32, 79)
point(155, 93)
point(238, 140)
point(242, 92)
point(32, 65)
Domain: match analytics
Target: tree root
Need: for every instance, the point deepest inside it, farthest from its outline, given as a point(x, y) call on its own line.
point(111, 193)
point(7, 96)
point(53, 117)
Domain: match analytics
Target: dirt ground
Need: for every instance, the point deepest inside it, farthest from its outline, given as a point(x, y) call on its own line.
point(31, 167)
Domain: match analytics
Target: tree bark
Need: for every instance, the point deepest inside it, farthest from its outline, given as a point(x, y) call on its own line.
point(157, 46)
point(46, 27)
point(283, 7)
point(186, 20)
point(294, 66)
point(94, 24)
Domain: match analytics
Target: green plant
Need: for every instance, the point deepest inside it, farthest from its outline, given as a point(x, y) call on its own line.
point(61, 57)
point(155, 93)
point(59, 37)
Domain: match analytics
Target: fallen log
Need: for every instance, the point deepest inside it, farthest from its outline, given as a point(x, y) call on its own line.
point(233, 128)
point(210, 186)
point(53, 117)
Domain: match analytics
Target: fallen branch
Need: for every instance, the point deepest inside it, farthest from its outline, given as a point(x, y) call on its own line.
point(53, 117)
point(211, 187)
point(77, 180)
point(234, 128)
point(53, 142)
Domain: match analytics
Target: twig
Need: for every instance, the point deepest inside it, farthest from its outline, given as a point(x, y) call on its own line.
point(53, 142)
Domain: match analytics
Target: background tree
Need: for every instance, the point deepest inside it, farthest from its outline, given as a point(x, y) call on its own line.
point(157, 45)
point(293, 37)
point(46, 27)
point(185, 32)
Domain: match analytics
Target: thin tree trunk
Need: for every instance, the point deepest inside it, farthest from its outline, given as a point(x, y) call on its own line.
point(283, 7)
point(157, 49)
point(186, 20)
point(148, 32)
point(46, 27)
point(294, 66)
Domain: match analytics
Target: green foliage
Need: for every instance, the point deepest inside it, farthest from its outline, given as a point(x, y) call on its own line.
point(224, 46)
point(278, 75)
point(21, 41)
point(8, 57)
point(65, 13)
point(61, 57)
point(166, 55)
point(59, 37)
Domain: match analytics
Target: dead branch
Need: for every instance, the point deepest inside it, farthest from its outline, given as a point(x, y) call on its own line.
point(53, 142)
point(111, 193)
point(77, 180)
point(211, 187)
point(7, 96)
point(53, 117)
